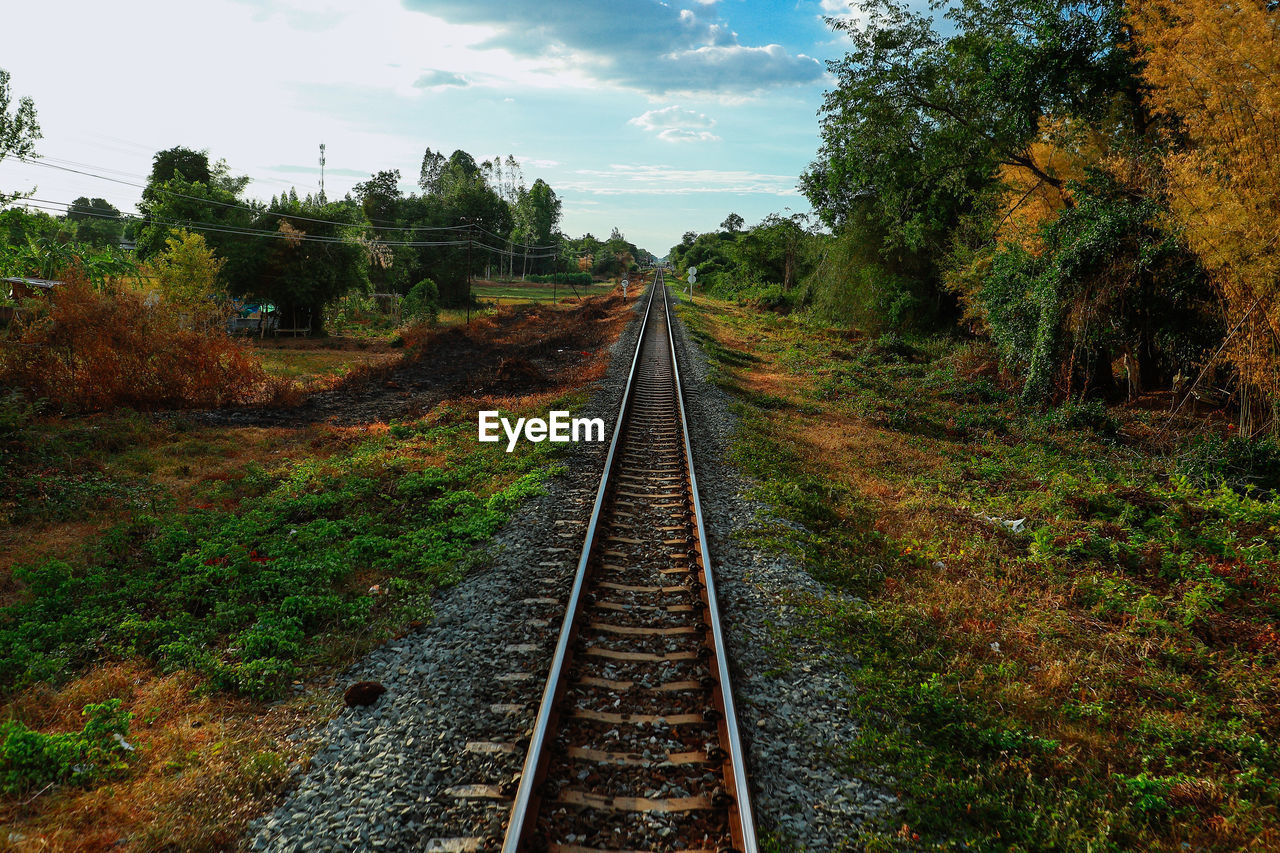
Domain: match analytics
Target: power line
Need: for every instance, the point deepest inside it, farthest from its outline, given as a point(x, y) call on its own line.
point(236, 206)
point(49, 204)
point(48, 163)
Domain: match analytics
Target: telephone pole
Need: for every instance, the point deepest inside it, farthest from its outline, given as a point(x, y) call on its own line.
point(470, 225)
point(322, 199)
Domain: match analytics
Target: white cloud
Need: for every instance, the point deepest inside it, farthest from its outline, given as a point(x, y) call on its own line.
point(676, 124)
point(842, 10)
point(678, 134)
point(631, 180)
point(637, 44)
point(436, 79)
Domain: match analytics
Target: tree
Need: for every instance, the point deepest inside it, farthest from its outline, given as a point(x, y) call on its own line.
point(98, 222)
point(536, 215)
point(302, 276)
point(379, 196)
point(917, 126)
point(187, 273)
point(433, 163)
point(1213, 70)
point(732, 223)
point(180, 162)
point(19, 129)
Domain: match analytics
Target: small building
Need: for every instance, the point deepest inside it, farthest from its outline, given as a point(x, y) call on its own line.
point(17, 288)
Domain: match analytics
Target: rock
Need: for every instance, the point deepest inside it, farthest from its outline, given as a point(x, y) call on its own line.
point(363, 694)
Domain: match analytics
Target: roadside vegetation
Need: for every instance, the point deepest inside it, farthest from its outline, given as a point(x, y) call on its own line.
point(187, 556)
point(179, 593)
point(1063, 621)
point(1012, 393)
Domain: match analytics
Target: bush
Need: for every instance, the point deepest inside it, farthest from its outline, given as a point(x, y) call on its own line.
point(94, 351)
point(1237, 462)
point(577, 278)
point(422, 302)
point(30, 760)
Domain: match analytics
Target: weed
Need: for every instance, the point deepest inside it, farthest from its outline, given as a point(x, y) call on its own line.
point(30, 760)
point(1068, 641)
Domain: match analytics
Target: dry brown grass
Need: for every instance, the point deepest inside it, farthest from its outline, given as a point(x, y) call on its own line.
point(203, 765)
point(206, 764)
point(962, 584)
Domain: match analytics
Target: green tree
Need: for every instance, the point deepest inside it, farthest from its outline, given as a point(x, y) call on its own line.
point(300, 275)
point(536, 215)
point(433, 163)
point(180, 162)
point(918, 124)
point(187, 273)
point(97, 221)
point(380, 197)
point(19, 129)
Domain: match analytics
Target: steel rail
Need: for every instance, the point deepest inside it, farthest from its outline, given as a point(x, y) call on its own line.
point(550, 694)
point(741, 790)
point(742, 827)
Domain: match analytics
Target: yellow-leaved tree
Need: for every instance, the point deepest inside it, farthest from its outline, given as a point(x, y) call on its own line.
point(1213, 69)
point(187, 274)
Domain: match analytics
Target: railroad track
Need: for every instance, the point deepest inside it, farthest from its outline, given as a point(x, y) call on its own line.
point(635, 746)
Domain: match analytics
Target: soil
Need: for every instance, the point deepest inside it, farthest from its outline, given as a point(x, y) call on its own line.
point(511, 352)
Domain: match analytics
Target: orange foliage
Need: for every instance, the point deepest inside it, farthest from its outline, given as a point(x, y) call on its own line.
point(1063, 152)
point(1214, 71)
point(99, 350)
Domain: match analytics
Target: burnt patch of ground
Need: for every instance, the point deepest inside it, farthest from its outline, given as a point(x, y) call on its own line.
point(511, 352)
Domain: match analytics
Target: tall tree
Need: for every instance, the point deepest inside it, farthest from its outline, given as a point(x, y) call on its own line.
point(180, 162)
point(433, 163)
point(380, 196)
point(732, 223)
point(19, 129)
point(98, 222)
point(918, 123)
point(1214, 73)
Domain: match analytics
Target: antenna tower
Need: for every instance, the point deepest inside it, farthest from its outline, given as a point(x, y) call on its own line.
point(322, 173)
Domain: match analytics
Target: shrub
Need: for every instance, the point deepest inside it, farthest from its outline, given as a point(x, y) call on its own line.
point(30, 759)
point(422, 302)
point(1237, 462)
point(94, 351)
point(577, 278)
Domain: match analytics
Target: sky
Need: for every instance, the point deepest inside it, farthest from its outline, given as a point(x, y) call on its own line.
point(653, 116)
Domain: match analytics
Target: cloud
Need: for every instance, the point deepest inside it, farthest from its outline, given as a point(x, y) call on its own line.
point(842, 10)
point(659, 179)
point(675, 124)
point(436, 79)
point(315, 170)
point(639, 44)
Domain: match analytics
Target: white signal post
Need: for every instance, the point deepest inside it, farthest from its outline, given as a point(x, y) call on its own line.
point(693, 277)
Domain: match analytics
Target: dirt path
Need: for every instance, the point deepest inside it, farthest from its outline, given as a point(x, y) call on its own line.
point(512, 352)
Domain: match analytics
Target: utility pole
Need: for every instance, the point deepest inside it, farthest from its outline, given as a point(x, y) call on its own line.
point(470, 226)
point(322, 199)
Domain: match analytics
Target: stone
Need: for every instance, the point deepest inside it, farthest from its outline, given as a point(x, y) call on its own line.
point(363, 694)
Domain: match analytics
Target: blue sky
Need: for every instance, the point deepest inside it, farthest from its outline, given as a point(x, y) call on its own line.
point(655, 117)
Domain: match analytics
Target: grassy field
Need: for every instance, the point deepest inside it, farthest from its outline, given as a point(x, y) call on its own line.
point(190, 590)
point(318, 362)
point(1064, 635)
point(515, 292)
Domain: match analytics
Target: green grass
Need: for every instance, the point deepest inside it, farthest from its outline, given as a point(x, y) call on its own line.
point(275, 573)
point(515, 292)
point(1105, 679)
point(310, 365)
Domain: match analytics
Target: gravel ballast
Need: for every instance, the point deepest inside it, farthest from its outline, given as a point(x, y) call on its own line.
point(430, 766)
